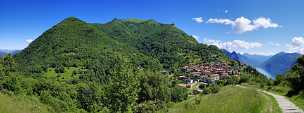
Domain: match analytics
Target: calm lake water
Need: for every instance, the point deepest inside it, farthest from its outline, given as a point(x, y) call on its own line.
point(264, 72)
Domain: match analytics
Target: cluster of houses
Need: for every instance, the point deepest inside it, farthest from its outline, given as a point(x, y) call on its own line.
point(208, 72)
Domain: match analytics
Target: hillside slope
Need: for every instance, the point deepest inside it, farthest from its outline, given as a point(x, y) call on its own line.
point(119, 66)
point(228, 100)
point(73, 42)
point(280, 63)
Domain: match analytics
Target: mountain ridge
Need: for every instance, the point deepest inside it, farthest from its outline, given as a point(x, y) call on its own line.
point(268, 65)
point(280, 63)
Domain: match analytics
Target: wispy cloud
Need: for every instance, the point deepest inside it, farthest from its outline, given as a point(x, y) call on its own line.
point(233, 45)
point(198, 19)
point(296, 45)
point(242, 24)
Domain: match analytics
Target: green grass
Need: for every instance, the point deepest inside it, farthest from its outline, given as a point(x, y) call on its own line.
point(21, 104)
point(67, 75)
point(230, 99)
point(283, 90)
point(298, 100)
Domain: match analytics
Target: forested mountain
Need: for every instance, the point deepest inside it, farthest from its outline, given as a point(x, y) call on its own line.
point(73, 42)
point(119, 66)
point(295, 77)
point(280, 63)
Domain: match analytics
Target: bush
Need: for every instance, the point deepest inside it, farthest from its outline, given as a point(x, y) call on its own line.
point(211, 89)
point(179, 94)
point(59, 69)
point(147, 107)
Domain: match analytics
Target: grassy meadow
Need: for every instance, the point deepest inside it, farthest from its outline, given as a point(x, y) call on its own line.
point(21, 104)
point(230, 99)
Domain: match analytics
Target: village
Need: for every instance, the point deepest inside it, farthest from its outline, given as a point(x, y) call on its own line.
point(206, 73)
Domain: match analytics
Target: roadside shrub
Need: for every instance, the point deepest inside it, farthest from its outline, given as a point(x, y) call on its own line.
point(147, 107)
point(211, 89)
point(179, 94)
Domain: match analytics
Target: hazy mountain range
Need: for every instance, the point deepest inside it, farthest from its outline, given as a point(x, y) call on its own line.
point(268, 65)
point(6, 51)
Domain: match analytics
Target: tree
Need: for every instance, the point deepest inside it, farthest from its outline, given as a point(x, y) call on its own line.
point(9, 64)
point(121, 93)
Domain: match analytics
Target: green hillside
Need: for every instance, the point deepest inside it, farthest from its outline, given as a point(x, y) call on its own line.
point(291, 84)
point(228, 100)
point(73, 42)
point(113, 67)
point(120, 66)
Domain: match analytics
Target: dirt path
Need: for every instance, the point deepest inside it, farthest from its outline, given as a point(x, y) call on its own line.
point(286, 105)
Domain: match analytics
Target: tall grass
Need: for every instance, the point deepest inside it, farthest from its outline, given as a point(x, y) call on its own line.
point(230, 99)
point(21, 104)
point(299, 100)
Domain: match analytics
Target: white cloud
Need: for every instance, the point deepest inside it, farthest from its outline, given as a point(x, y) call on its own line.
point(297, 41)
point(263, 22)
point(29, 40)
point(301, 51)
point(221, 21)
point(233, 45)
point(238, 46)
point(242, 24)
point(226, 11)
point(198, 20)
point(296, 45)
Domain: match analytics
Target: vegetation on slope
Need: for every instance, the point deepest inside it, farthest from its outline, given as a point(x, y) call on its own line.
point(22, 104)
point(114, 67)
point(229, 100)
point(280, 63)
point(121, 66)
point(291, 83)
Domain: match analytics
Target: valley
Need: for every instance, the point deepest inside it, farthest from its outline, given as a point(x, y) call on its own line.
point(119, 66)
point(151, 56)
point(270, 66)
point(144, 66)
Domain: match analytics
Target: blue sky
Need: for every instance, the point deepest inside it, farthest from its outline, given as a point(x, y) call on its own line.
point(251, 26)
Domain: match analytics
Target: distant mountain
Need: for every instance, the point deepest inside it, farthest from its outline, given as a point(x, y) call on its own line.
point(295, 77)
point(2, 53)
point(280, 63)
point(252, 60)
point(5, 52)
point(233, 55)
point(256, 60)
point(268, 65)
